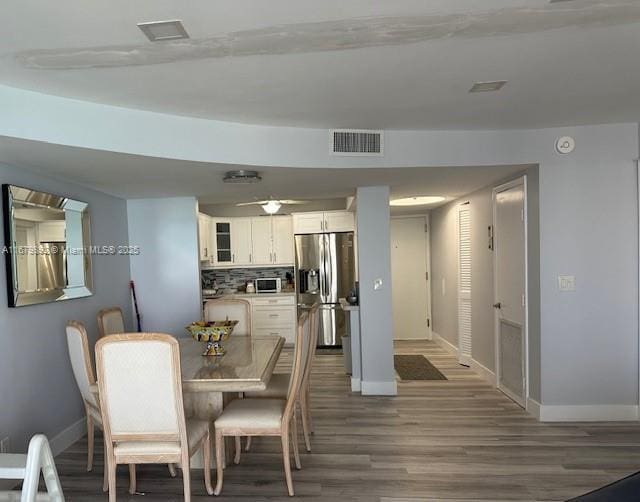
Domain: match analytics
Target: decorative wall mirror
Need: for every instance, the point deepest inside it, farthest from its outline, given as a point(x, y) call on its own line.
point(47, 245)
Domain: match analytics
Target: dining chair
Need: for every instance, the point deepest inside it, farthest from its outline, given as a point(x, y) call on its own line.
point(110, 321)
point(78, 344)
point(140, 390)
point(222, 309)
point(279, 384)
point(266, 417)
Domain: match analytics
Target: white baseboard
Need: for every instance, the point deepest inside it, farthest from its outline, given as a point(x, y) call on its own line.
point(445, 344)
point(583, 413)
point(356, 385)
point(378, 388)
point(483, 371)
point(68, 436)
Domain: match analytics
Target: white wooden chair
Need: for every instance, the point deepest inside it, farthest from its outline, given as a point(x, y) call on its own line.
point(266, 417)
point(140, 387)
point(280, 382)
point(232, 309)
point(110, 321)
point(28, 467)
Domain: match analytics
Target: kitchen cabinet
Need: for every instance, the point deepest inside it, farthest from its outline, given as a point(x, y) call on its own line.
point(260, 241)
point(204, 236)
point(241, 241)
point(274, 316)
point(323, 221)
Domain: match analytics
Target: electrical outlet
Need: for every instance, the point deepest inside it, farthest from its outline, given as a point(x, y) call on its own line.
point(567, 282)
point(5, 445)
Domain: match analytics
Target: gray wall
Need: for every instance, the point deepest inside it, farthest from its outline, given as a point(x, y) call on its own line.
point(376, 316)
point(167, 271)
point(37, 389)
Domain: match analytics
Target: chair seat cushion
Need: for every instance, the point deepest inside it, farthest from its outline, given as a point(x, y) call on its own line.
point(196, 430)
point(278, 387)
point(252, 414)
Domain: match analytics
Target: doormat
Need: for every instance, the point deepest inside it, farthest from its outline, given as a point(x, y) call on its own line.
point(624, 490)
point(411, 367)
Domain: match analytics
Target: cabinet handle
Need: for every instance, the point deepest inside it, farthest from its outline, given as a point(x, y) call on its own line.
point(274, 315)
point(233, 258)
point(250, 258)
point(274, 333)
point(275, 258)
point(205, 252)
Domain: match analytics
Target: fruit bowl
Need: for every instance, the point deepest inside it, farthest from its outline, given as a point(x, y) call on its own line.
point(212, 333)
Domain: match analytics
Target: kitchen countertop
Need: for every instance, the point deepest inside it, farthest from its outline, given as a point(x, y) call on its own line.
point(249, 295)
point(347, 306)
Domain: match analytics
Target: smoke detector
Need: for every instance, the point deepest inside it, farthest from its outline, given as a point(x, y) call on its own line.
point(492, 86)
point(241, 176)
point(157, 31)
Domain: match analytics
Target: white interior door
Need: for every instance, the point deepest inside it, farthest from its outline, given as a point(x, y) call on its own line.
point(409, 283)
point(510, 289)
point(464, 284)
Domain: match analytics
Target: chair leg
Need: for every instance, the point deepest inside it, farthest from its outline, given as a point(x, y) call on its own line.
point(307, 404)
point(294, 440)
point(305, 422)
point(238, 448)
point(90, 441)
point(112, 478)
point(172, 470)
point(287, 460)
point(186, 476)
point(105, 480)
point(132, 479)
point(248, 446)
point(206, 457)
point(219, 462)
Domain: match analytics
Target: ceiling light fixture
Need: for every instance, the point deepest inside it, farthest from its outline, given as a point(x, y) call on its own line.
point(493, 86)
point(422, 200)
point(157, 31)
point(271, 207)
point(241, 177)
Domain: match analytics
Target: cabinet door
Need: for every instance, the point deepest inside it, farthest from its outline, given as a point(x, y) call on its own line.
point(338, 221)
point(308, 223)
point(282, 240)
point(221, 240)
point(261, 240)
point(241, 241)
point(204, 237)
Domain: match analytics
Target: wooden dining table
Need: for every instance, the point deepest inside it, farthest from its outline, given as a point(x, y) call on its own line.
point(208, 382)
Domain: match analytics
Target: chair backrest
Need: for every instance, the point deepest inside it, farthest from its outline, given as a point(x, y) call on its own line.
point(110, 321)
point(314, 314)
point(80, 357)
point(297, 370)
point(140, 387)
point(233, 310)
point(40, 458)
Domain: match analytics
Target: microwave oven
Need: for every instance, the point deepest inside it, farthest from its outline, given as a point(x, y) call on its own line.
point(269, 285)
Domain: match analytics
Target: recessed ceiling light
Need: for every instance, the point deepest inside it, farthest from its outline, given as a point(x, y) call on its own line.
point(493, 86)
point(417, 201)
point(157, 31)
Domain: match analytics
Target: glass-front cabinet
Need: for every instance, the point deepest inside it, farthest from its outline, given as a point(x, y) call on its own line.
point(223, 254)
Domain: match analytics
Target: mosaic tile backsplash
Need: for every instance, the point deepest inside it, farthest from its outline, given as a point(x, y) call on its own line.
point(235, 277)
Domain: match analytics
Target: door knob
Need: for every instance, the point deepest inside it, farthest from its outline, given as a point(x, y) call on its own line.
point(497, 305)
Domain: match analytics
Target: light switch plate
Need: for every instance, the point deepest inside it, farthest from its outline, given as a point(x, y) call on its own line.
point(377, 284)
point(567, 282)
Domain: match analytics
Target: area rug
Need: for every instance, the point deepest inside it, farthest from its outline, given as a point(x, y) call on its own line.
point(416, 367)
point(625, 490)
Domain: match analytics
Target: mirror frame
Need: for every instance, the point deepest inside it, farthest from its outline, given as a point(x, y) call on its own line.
point(16, 298)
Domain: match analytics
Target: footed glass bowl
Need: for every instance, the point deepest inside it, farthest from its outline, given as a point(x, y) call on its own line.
point(212, 333)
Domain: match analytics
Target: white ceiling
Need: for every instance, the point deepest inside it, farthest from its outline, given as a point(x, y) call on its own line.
point(403, 64)
point(133, 176)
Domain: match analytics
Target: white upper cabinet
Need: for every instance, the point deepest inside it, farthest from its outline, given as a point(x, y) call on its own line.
point(319, 222)
point(261, 240)
point(241, 241)
point(282, 232)
point(204, 236)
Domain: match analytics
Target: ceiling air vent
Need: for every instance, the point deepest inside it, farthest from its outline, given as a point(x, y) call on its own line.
point(241, 177)
point(357, 142)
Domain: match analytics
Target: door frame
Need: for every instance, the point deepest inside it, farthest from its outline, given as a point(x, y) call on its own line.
point(427, 239)
point(520, 180)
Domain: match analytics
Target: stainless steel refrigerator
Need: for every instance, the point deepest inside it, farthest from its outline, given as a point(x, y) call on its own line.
point(325, 271)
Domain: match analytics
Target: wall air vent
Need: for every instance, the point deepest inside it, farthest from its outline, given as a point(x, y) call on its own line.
point(357, 142)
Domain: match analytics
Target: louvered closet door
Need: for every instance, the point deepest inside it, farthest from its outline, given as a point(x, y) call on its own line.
point(464, 284)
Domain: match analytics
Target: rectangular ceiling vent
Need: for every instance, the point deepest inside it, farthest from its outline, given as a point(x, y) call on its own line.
point(357, 142)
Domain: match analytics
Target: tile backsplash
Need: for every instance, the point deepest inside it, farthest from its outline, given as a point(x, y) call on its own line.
point(233, 278)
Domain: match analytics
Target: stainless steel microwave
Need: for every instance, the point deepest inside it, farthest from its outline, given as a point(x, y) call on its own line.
point(269, 285)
